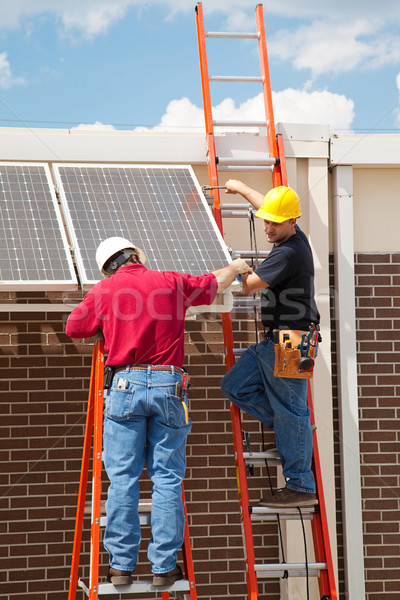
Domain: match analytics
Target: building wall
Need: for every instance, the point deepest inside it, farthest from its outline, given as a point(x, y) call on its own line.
point(44, 379)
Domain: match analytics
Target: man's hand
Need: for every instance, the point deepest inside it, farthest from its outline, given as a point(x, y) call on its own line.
point(234, 186)
point(228, 274)
point(241, 266)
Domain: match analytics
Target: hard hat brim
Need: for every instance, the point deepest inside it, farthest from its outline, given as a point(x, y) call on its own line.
point(262, 214)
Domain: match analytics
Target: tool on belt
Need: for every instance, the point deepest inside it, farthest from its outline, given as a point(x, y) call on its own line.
point(295, 352)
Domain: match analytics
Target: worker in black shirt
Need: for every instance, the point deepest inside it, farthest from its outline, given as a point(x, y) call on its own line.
point(286, 278)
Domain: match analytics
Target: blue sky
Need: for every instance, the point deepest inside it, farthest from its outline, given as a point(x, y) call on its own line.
point(128, 64)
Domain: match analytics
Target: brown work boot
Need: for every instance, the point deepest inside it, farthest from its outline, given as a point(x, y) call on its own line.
point(287, 498)
point(168, 578)
point(117, 577)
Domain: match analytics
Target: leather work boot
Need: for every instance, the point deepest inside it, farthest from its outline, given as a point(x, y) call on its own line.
point(168, 578)
point(117, 577)
point(287, 498)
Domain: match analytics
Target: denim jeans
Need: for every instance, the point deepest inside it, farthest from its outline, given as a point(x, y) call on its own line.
point(281, 404)
point(145, 423)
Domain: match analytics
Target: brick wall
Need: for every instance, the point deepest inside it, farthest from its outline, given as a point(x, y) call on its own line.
point(44, 378)
point(378, 358)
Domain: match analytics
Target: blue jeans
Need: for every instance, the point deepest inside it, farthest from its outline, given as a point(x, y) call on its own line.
point(145, 422)
point(281, 404)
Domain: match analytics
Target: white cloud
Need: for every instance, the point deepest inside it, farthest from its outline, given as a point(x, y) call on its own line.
point(326, 47)
point(297, 106)
point(96, 126)
point(7, 79)
point(290, 106)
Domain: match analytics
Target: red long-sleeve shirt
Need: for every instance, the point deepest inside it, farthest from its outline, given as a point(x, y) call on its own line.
point(141, 314)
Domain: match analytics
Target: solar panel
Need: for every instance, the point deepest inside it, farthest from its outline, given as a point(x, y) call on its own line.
point(160, 208)
point(34, 252)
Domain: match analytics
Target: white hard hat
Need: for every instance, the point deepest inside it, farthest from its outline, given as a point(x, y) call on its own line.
point(114, 247)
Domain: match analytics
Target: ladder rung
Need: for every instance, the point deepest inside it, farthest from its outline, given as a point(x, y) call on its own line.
point(250, 254)
point(291, 569)
point(240, 78)
point(228, 160)
point(217, 123)
point(144, 506)
point(231, 34)
point(266, 513)
point(144, 519)
point(246, 301)
point(137, 587)
point(259, 458)
point(233, 206)
point(235, 214)
point(243, 168)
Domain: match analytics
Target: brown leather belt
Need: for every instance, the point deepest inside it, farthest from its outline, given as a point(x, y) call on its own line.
point(152, 368)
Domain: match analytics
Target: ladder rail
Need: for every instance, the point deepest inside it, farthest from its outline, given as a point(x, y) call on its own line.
point(212, 170)
point(76, 550)
point(267, 95)
point(319, 525)
point(96, 471)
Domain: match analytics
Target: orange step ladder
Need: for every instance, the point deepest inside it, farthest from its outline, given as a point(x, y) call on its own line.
point(186, 587)
point(275, 162)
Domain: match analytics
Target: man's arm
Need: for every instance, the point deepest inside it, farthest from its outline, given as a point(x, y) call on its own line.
point(227, 275)
point(234, 186)
point(252, 283)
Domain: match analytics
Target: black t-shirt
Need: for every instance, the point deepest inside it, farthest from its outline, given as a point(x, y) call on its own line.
point(288, 302)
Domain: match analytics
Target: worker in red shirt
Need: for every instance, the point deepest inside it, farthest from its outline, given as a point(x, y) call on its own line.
point(141, 314)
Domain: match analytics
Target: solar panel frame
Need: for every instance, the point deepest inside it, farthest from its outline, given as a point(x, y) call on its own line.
point(34, 250)
point(97, 205)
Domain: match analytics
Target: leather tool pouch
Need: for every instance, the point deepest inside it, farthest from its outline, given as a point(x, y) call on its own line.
point(294, 355)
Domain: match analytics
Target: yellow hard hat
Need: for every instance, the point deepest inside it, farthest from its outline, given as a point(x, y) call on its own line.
point(280, 204)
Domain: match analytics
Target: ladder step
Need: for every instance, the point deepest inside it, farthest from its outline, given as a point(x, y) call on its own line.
point(144, 510)
point(265, 513)
point(246, 301)
point(243, 168)
point(218, 123)
point(290, 569)
point(137, 587)
point(231, 34)
point(260, 457)
point(250, 254)
point(241, 78)
point(250, 162)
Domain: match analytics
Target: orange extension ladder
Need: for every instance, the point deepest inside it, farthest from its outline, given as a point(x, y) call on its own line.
point(275, 162)
point(186, 587)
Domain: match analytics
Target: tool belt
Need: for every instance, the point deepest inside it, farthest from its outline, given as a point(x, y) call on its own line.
point(295, 352)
